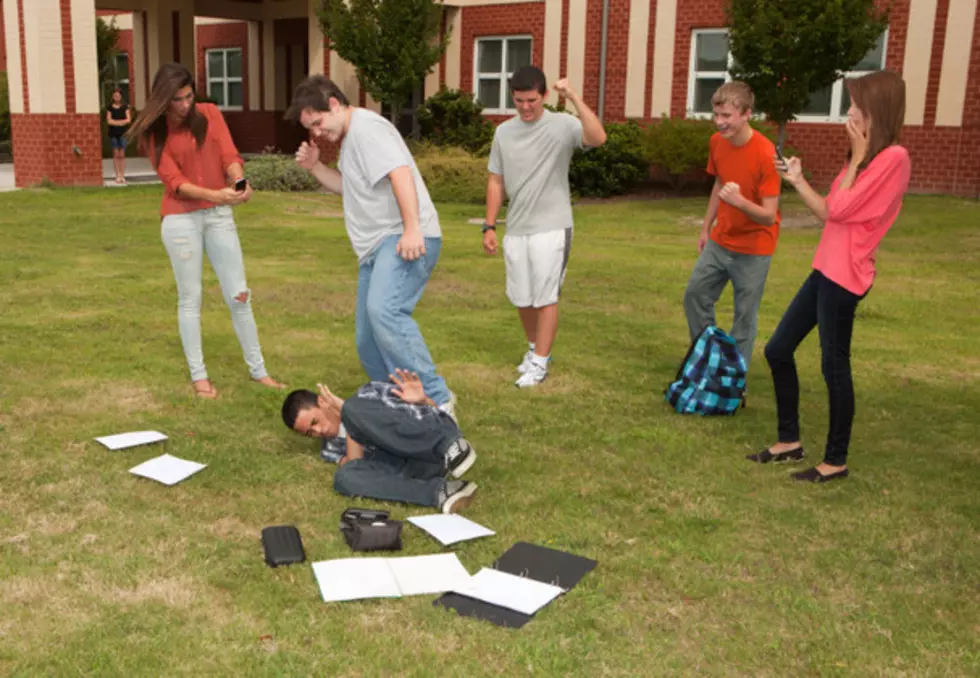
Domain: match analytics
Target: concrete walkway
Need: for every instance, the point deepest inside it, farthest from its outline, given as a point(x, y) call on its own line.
point(138, 171)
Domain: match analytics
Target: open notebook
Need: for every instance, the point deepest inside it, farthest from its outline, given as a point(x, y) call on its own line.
point(359, 578)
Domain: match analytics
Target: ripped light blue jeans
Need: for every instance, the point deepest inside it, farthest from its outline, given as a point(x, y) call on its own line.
point(187, 238)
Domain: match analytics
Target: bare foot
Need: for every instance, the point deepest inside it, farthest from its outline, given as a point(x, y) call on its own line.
point(270, 382)
point(203, 388)
point(826, 469)
point(779, 448)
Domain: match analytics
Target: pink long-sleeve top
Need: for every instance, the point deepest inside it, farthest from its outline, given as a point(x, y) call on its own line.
point(859, 217)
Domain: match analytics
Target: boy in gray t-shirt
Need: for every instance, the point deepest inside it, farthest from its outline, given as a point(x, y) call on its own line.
point(529, 161)
point(392, 225)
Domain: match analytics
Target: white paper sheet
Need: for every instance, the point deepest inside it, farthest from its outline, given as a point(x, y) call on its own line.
point(354, 579)
point(121, 441)
point(507, 590)
point(420, 575)
point(358, 578)
point(450, 528)
point(167, 469)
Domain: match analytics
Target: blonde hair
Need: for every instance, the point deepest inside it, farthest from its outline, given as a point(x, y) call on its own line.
point(736, 93)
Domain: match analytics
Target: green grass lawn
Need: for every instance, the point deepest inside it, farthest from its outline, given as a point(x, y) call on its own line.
point(707, 564)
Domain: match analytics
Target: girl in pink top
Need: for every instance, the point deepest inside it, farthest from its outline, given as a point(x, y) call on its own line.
point(862, 205)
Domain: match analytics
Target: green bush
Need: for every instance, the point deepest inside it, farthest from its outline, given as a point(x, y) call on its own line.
point(451, 117)
point(452, 174)
point(278, 173)
point(677, 148)
point(613, 168)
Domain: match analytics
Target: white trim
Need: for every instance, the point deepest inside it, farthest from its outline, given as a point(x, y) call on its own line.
point(502, 76)
point(836, 93)
point(224, 79)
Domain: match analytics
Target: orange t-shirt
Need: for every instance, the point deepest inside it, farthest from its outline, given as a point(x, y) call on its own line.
point(183, 162)
point(751, 166)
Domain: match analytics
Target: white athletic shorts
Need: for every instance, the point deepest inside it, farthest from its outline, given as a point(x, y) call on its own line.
point(536, 267)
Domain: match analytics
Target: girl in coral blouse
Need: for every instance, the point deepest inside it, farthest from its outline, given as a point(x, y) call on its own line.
point(862, 205)
point(193, 154)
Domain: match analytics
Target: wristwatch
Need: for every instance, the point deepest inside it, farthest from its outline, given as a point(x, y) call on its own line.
point(488, 227)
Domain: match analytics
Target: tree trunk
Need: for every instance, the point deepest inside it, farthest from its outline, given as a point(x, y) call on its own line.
point(781, 139)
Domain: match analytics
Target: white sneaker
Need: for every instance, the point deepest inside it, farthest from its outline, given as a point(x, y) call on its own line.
point(450, 407)
point(525, 363)
point(535, 375)
point(457, 495)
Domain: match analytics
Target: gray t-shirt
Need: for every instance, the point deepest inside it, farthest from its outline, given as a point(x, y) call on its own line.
point(371, 149)
point(534, 158)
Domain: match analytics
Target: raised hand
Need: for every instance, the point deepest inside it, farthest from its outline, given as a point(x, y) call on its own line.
point(731, 193)
point(409, 386)
point(859, 142)
point(789, 169)
point(308, 155)
point(563, 88)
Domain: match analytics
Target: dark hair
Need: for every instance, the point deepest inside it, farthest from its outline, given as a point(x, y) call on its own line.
point(296, 402)
point(881, 98)
point(527, 78)
point(150, 125)
point(315, 92)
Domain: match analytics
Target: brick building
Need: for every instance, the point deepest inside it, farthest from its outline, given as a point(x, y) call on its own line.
point(662, 57)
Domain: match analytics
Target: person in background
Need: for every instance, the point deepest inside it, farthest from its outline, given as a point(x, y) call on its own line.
point(192, 152)
point(118, 117)
point(864, 201)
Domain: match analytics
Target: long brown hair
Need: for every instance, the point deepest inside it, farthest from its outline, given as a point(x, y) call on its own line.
point(150, 126)
point(881, 98)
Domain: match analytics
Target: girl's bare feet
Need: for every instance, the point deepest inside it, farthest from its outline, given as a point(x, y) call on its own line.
point(203, 388)
point(270, 382)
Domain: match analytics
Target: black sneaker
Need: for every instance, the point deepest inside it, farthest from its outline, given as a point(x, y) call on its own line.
point(456, 495)
point(459, 457)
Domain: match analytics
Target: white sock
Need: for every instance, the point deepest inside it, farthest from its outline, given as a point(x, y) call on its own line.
point(530, 346)
point(540, 361)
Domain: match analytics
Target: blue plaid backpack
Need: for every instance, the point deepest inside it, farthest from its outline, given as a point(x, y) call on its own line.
point(711, 379)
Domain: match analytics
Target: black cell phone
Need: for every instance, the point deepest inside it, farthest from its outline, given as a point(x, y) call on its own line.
point(282, 545)
point(241, 185)
point(779, 153)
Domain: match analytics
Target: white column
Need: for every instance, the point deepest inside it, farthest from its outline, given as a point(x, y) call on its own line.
point(11, 25)
point(315, 36)
point(137, 87)
point(575, 62)
point(453, 50)
point(955, 71)
point(552, 45)
point(269, 64)
point(663, 57)
point(253, 70)
point(636, 57)
point(45, 63)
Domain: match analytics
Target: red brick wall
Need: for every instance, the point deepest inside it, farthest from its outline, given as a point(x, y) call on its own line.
point(518, 19)
point(42, 148)
point(213, 36)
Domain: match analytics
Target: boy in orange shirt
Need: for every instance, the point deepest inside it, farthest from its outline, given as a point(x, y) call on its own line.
point(745, 200)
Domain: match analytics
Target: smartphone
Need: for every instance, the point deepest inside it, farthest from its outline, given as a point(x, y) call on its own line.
point(241, 185)
point(779, 153)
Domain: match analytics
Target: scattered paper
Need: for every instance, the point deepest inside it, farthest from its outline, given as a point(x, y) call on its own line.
point(520, 594)
point(359, 578)
point(167, 469)
point(121, 441)
point(450, 528)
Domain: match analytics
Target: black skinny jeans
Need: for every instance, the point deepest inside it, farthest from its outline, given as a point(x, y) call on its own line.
point(828, 306)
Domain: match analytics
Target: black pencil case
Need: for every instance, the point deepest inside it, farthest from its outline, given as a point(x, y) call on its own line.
point(367, 530)
point(282, 545)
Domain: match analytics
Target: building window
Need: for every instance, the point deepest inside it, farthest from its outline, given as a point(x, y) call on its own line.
point(710, 61)
point(224, 73)
point(120, 75)
point(495, 61)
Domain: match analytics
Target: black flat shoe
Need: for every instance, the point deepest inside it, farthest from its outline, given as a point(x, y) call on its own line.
point(814, 476)
point(766, 456)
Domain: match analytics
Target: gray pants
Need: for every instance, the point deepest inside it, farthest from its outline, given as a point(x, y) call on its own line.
point(714, 268)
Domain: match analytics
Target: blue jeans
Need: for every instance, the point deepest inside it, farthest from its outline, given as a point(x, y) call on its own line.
point(823, 304)
point(187, 237)
point(404, 456)
point(388, 288)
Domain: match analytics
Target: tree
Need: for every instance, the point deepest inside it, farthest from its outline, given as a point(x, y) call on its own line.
point(392, 44)
point(106, 37)
point(785, 51)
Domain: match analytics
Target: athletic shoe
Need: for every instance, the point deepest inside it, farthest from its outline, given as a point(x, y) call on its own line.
point(525, 362)
point(534, 376)
point(459, 457)
point(456, 495)
point(450, 407)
